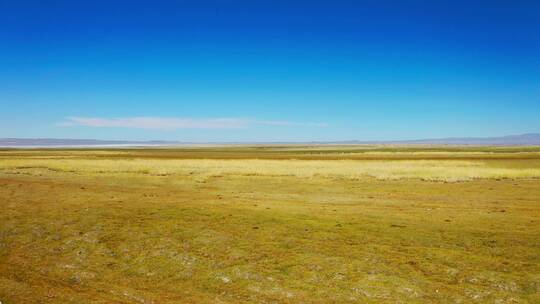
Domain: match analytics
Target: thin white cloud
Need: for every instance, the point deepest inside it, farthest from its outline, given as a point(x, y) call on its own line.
point(171, 123)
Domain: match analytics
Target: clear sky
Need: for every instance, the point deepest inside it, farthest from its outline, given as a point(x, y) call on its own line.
point(269, 70)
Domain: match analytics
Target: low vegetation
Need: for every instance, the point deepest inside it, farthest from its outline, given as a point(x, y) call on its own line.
point(435, 170)
point(270, 225)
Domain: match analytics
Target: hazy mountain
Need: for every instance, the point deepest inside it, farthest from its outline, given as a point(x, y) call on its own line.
point(55, 142)
point(511, 140)
point(532, 139)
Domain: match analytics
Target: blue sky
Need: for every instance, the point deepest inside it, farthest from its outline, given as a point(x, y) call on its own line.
point(269, 70)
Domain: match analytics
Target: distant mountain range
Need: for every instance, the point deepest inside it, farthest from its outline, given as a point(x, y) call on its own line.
point(532, 139)
point(57, 142)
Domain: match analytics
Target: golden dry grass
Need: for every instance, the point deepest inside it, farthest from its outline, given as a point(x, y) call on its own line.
point(85, 227)
point(434, 170)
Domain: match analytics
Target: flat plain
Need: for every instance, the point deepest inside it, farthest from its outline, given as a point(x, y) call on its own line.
point(270, 224)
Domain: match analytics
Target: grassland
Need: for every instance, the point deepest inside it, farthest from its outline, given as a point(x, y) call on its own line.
point(271, 224)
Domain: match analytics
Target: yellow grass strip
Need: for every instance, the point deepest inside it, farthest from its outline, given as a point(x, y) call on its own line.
point(432, 170)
